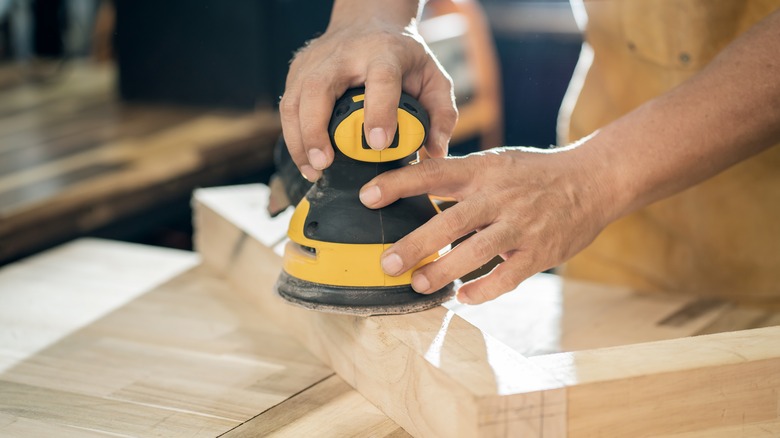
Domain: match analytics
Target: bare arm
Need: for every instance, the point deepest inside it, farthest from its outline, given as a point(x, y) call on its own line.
point(725, 114)
point(539, 208)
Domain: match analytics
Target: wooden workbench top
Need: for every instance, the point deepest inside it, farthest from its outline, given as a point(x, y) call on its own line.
point(97, 340)
point(101, 338)
point(73, 158)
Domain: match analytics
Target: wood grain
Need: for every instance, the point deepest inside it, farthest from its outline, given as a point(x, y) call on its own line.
point(762, 429)
point(679, 385)
point(435, 374)
point(329, 408)
point(74, 159)
point(101, 338)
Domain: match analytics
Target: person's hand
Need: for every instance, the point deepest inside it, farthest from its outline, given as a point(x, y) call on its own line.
point(384, 57)
point(534, 209)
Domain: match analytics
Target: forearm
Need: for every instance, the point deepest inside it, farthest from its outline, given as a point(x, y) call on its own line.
point(395, 12)
point(725, 114)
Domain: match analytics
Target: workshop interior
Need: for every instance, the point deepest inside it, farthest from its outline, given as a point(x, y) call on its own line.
point(182, 60)
point(166, 269)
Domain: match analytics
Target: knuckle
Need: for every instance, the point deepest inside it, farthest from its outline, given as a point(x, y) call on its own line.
point(309, 131)
point(534, 252)
point(383, 71)
point(441, 273)
point(414, 248)
point(431, 170)
point(485, 247)
point(450, 114)
point(388, 183)
point(386, 38)
point(314, 85)
point(289, 106)
point(455, 222)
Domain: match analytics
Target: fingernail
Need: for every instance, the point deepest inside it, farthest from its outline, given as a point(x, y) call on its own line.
point(420, 283)
point(309, 173)
point(317, 159)
point(370, 195)
point(377, 139)
point(392, 264)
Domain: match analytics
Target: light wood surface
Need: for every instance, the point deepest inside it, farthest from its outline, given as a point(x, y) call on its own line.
point(101, 338)
point(767, 429)
point(329, 408)
point(435, 374)
point(50, 296)
point(74, 159)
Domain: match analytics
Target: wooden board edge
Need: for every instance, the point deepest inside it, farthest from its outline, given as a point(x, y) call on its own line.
point(458, 390)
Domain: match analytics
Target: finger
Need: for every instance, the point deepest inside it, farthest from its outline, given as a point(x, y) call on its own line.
point(316, 107)
point(466, 257)
point(504, 278)
point(383, 92)
point(438, 99)
point(288, 110)
point(437, 233)
point(445, 177)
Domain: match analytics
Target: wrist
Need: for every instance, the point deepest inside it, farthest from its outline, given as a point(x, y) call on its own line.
point(397, 13)
point(602, 179)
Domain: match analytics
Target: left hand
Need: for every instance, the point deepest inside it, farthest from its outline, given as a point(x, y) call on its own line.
point(535, 208)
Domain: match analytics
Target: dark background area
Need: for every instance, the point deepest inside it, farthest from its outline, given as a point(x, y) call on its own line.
point(177, 51)
point(538, 45)
point(235, 54)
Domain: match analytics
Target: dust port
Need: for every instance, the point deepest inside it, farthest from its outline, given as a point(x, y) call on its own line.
point(308, 249)
point(302, 250)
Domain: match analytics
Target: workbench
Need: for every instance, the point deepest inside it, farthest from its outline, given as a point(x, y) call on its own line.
point(75, 160)
point(103, 338)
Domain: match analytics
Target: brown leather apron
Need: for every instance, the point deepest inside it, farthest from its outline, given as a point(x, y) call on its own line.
point(720, 238)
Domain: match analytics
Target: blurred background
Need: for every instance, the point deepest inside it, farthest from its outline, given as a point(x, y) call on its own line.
point(113, 111)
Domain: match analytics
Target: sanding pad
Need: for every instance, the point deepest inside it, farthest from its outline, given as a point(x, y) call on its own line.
point(362, 301)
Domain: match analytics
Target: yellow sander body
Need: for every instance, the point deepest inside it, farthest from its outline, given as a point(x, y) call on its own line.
point(332, 261)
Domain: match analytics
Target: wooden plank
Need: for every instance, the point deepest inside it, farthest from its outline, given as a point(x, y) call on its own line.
point(13, 426)
point(677, 385)
point(769, 429)
point(97, 339)
point(72, 410)
point(408, 364)
point(73, 159)
point(50, 296)
point(51, 139)
point(78, 79)
point(431, 372)
point(154, 170)
point(329, 408)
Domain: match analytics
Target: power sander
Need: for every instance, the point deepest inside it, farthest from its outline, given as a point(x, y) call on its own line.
point(332, 260)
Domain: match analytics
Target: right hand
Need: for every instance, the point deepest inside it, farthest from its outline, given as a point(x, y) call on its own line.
point(386, 58)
